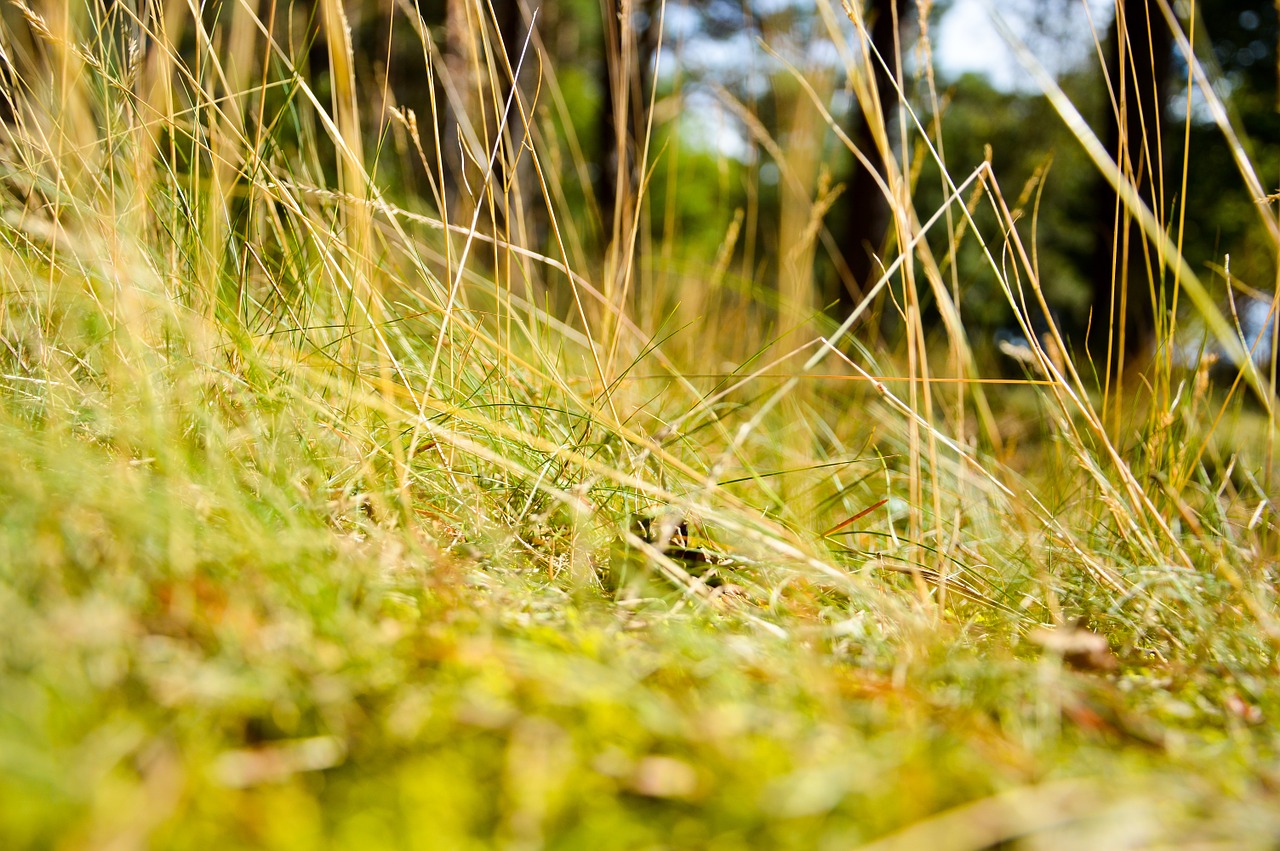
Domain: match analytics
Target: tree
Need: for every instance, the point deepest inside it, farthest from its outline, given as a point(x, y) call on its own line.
point(512, 177)
point(1240, 39)
point(1125, 277)
point(630, 45)
point(867, 222)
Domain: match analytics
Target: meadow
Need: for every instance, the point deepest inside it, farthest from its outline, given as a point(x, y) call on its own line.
point(340, 516)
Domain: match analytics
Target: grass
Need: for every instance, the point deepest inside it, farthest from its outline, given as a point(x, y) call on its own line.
point(321, 509)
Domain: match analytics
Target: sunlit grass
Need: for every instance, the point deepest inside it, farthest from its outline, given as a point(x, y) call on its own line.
point(336, 518)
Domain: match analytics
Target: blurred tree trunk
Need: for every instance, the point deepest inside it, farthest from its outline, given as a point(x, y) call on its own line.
point(519, 197)
point(483, 44)
point(512, 26)
point(868, 221)
point(457, 136)
point(1138, 69)
point(628, 60)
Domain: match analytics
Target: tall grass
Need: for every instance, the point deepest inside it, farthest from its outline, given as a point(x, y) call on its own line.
point(339, 517)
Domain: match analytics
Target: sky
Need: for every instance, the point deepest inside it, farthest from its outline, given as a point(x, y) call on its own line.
point(966, 42)
point(964, 39)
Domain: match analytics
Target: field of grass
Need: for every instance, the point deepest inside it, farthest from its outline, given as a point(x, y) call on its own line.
point(332, 521)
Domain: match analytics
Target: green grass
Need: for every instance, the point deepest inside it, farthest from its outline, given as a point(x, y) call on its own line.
point(311, 540)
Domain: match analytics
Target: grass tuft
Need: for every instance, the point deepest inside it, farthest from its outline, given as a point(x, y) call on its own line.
point(342, 515)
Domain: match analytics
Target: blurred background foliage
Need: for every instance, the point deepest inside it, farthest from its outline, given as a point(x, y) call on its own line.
point(734, 131)
point(731, 121)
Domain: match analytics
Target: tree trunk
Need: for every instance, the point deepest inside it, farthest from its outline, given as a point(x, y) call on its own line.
point(460, 149)
point(628, 61)
point(511, 177)
point(520, 204)
point(1125, 276)
point(868, 221)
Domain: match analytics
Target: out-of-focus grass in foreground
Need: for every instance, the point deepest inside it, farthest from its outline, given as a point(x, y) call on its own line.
point(321, 529)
